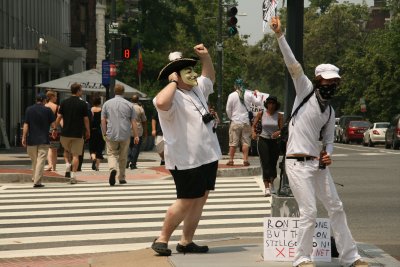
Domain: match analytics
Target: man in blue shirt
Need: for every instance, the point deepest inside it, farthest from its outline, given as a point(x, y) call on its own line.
point(117, 123)
point(35, 136)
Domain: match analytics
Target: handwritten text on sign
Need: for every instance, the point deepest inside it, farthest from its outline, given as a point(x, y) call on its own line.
point(280, 239)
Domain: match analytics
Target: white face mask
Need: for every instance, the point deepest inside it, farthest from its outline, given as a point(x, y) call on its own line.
point(188, 76)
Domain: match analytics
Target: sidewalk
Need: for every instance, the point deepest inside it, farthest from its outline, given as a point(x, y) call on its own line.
point(240, 252)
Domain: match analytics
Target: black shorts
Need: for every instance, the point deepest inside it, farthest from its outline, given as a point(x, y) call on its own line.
point(193, 183)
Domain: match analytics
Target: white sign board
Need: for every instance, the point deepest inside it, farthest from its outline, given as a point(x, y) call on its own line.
point(280, 239)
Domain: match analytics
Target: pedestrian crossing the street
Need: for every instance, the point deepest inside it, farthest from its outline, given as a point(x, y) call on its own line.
point(90, 218)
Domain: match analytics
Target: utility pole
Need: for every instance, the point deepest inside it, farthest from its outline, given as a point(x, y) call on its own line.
point(294, 37)
point(219, 48)
point(112, 52)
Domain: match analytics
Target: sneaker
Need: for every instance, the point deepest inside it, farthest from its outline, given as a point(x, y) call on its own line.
point(191, 248)
point(122, 182)
point(272, 187)
point(162, 163)
point(111, 180)
point(68, 170)
point(267, 192)
point(359, 263)
point(132, 166)
point(73, 179)
point(306, 264)
point(161, 248)
point(38, 185)
point(94, 165)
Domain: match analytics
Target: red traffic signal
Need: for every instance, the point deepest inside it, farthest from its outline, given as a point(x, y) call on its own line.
point(126, 54)
point(126, 51)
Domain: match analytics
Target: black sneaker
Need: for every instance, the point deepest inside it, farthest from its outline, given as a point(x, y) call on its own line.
point(132, 166)
point(191, 248)
point(161, 248)
point(122, 182)
point(162, 163)
point(111, 180)
point(38, 185)
point(94, 165)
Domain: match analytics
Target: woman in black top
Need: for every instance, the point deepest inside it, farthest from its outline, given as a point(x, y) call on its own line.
point(96, 142)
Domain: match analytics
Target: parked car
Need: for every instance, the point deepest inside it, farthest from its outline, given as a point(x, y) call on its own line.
point(375, 134)
point(354, 131)
point(343, 121)
point(392, 136)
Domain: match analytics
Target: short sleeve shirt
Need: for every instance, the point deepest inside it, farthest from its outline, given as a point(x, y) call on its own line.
point(119, 114)
point(73, 111)
point(140, 118)
point(38, 117)
point(188, 141)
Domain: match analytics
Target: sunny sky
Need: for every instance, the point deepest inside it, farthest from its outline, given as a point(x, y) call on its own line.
point(251, 23)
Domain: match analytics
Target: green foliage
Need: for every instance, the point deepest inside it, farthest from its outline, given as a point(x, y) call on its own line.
point(333, 33)
point(321, 4)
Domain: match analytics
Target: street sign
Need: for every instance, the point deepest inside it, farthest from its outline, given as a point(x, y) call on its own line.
point(113, 70)
point(113, 28)
point(105, 72)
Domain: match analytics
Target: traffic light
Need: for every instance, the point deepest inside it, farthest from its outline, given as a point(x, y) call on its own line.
point(232, 21)
point(126, 51)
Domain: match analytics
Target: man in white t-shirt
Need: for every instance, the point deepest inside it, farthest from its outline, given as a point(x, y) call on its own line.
point(191, 147)
point(238, 107)
point(306, 172)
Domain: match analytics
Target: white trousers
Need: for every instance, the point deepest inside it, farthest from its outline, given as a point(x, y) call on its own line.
point(308, 182)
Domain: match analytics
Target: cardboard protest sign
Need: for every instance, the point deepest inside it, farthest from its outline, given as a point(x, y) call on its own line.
point(280, 239)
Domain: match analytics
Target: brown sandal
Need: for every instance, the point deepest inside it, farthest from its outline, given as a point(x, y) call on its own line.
point(246, 163)
point(230, 163)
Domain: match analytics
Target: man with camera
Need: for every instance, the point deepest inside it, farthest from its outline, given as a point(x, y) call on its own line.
point(191, 147)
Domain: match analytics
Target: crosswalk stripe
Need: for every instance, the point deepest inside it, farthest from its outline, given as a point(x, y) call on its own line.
point(94, 218)
point(78, 218)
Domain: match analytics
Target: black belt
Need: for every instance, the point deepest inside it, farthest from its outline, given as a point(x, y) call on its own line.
point(302, 158)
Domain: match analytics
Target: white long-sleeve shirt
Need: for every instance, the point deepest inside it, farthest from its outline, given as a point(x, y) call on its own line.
point(305, 127)
point(236, 111)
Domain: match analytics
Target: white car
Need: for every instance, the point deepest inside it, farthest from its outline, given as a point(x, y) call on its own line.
point(375, 134)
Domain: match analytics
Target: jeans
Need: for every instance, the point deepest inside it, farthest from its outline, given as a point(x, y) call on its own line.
point(134, 150)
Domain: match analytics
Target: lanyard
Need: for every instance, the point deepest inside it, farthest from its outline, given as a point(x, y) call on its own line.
point(190, 98)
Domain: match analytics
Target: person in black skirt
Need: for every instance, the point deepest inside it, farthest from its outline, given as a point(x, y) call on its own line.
point(96, 142)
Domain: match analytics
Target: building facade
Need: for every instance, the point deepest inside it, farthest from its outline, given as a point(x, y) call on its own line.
point(42, 40)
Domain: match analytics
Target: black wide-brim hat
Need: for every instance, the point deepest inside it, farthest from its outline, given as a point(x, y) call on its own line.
point(175, 66)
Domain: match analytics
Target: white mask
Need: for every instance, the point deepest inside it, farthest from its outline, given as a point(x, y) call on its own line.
point(188, 76)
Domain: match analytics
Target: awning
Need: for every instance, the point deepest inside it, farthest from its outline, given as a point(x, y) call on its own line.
point(90, 81)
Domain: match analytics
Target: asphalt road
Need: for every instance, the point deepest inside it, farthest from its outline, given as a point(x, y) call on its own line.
point(371, 198)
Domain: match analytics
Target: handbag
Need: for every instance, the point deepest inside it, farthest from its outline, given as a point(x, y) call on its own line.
point(258, 128)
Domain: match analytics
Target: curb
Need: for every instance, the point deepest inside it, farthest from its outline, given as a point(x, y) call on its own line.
point(27, 178)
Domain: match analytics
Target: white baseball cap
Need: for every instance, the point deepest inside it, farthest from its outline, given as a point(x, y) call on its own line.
point(327, 71)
